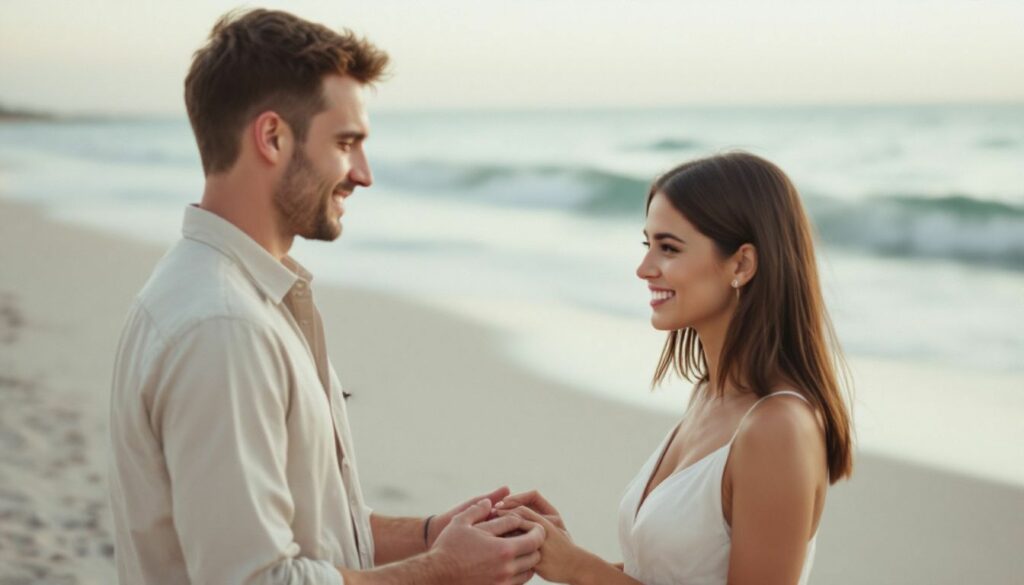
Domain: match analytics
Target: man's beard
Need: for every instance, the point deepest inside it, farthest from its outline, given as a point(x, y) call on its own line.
point(303, 198)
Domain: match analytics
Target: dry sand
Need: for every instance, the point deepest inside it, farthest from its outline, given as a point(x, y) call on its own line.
point(438, 413)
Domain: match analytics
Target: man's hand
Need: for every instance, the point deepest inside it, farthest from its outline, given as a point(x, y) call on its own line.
point(439, 522)
point(472, 549)
point(536, 502)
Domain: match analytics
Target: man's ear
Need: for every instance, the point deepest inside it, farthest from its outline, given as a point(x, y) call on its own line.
point(272, 138)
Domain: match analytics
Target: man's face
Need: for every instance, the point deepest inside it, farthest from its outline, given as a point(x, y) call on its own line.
point(328, 167)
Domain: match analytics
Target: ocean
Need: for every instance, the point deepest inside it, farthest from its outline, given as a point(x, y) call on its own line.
point(530, 221)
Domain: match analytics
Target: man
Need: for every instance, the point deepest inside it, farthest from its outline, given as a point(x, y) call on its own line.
point(232, 457)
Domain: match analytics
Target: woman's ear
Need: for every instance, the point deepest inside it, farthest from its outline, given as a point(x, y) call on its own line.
point(744, 264)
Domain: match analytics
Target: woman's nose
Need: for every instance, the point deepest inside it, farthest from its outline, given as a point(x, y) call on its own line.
point(646, 270)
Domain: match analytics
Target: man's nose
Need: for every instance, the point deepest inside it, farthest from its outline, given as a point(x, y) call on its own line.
point(361, 174)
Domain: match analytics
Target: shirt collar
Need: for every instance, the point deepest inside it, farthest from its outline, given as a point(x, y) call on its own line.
point(273, 278)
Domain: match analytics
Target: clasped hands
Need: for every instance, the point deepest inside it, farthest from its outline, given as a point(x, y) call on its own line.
point(532, 534)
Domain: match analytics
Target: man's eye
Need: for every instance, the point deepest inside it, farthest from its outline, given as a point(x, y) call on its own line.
point(345, 146)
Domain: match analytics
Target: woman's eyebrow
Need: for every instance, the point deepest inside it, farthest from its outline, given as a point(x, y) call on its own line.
point(667, 236)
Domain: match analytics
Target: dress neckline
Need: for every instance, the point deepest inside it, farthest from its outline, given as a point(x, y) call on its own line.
point(679, 472)
point(647, 492)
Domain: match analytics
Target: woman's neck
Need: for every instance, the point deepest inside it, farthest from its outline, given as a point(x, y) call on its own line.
point(712, 339)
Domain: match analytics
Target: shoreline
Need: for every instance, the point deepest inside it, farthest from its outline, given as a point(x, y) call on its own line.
point(61, 309)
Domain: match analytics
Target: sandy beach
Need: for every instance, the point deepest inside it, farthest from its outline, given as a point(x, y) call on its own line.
point(438, 414)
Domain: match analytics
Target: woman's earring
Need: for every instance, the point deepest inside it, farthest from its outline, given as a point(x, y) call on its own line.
point(736, 285)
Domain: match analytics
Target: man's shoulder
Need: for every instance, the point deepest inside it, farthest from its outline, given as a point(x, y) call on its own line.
point(194, 283)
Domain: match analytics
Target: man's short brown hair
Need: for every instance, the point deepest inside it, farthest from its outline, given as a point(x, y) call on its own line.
point(263, 60)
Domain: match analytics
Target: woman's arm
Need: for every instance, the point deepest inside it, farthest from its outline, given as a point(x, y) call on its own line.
point(777, 464)
point(598, 572)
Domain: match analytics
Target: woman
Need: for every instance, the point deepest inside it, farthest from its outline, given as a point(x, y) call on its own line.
point(735, 493)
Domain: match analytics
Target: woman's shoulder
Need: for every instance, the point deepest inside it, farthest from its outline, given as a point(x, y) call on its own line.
point(781, 427)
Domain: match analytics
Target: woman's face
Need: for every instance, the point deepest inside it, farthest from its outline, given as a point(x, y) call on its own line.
point(684, 270)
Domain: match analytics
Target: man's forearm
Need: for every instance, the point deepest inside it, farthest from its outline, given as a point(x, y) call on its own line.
point(396, 539)
point(424, 569)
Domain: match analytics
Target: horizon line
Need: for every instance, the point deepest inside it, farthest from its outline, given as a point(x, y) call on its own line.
point(58, 114)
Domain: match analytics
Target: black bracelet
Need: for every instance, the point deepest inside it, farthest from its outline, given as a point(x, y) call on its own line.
point(426, 530)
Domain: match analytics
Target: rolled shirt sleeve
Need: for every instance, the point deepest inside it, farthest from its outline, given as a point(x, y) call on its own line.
point(220, 411)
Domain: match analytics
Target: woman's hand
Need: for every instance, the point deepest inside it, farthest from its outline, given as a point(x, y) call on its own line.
point(536, 502)
point(560, 559)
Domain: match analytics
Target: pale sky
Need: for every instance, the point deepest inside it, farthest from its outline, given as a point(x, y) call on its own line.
point(132, 55)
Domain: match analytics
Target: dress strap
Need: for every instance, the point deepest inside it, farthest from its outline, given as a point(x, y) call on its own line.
point(759, 401)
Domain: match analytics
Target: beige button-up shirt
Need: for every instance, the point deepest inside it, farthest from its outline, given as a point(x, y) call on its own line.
point(232, 460)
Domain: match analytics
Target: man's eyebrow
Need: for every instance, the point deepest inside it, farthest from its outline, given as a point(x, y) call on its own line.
point(350, 135)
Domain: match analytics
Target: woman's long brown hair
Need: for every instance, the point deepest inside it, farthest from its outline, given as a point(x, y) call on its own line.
point(781, 326)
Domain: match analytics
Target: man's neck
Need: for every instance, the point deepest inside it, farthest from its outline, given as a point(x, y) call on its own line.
point(250, 211)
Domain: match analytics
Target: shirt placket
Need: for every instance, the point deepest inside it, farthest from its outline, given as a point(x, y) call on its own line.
point(310, 324)
point(353, 491)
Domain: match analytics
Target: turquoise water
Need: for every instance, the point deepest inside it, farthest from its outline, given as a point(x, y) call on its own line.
point(920, 210)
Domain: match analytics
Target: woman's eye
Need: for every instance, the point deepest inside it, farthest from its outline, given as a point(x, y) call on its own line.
point(663, 247)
